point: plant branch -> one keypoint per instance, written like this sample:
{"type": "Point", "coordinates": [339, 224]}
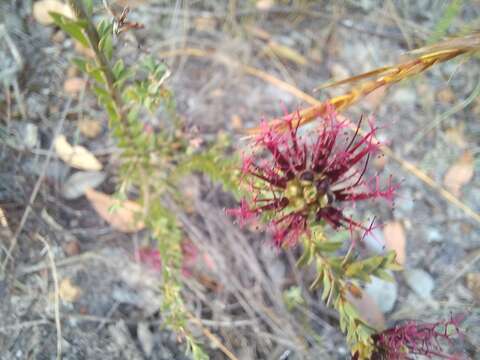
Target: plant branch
{"type": "Point", "coordinates": [94, 39]}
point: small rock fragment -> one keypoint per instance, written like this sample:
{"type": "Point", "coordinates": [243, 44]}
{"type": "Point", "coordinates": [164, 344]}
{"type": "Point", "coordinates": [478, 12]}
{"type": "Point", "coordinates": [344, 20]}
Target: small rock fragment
{"type": "Point", "coordinates": [71, 248]}
{"type": "Point", "coordinates": [384, 293]}
{"type": "Point", "coordinates": [77, 184]}
{"type": "Point", "coordinates": [420, 282]}
{"type": "Point", "coordinates": [145, 337]}
{"type": "Point", "coordinates": [90, 128]}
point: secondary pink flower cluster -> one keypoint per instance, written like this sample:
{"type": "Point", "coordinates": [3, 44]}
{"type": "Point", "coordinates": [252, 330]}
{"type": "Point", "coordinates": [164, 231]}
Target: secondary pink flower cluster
{"type": "Point", "coordinates": [151, 258]}
{"type": "Point", "coordinates": [413, 338]}
{"type": "Point", "coordinates": [297, 180]}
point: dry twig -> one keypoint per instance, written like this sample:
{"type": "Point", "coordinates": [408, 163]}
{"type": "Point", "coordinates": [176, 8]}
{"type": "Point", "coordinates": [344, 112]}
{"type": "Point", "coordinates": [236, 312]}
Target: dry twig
{"type": "Point", "coordinates": [56, 296]}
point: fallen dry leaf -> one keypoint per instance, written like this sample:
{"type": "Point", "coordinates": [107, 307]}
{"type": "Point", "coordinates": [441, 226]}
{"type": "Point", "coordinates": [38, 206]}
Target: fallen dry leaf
{"type": "Point", "coordinates": [68, 291]}
{"type": "Point", "coordinates": [42, 8]}
{"type": "Point", "coordinates": [459, 174]}
{"type": "Point", "coordinates": [74, 85]}
{"type": "Point", "coordinates": [368, 309]}
{"type": "Point", "coordinates": [91, 128]}
{"type": "Point", "coordinates": [395, 239]}
{"type": "Point", "coordinates": [76, 156]}
{"type": "Point", "coordinates": [121, 215]}
{"type": "Point", "coordinates": [237, 122]}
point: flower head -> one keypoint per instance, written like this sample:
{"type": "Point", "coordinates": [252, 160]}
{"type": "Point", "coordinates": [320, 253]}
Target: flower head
{"type": "Point", "coordinates": [413, 338]}
{"type": "Point", "coordinates": [298, 180]}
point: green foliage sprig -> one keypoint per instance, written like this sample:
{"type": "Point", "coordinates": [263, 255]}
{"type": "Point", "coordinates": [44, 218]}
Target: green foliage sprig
{"type": "Point", "coordinates": [153, 160]}
{"type": "Point", "coordinates": [340, 278]}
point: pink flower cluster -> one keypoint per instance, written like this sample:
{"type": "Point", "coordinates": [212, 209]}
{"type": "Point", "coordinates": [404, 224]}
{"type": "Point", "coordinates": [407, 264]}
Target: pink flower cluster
{"type": "Point", "coordinates": [151, 258]}
{"type": "Point", "coordinates": [413, 338]}
{"type": "Point", "coordinates": [297, 181]}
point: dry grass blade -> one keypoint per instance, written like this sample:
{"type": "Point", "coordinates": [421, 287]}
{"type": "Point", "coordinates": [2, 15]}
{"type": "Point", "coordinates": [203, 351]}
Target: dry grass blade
{"type": "Point", "coordinates": [425, 58]}
{"type": "Point", "coordinates": [56, 296]}
{"type": "Point", "coordinates": [213, 338]}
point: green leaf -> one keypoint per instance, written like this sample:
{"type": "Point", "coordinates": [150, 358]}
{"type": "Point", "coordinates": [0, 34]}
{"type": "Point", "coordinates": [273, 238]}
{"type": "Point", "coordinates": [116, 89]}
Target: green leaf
{"type": "Point", "coordinates": [373, 263]}
{"type": "Point", "coordinates": [354, 268]}
{"type": "Point", "coordinates": [100, 91]}
{"type": "Point", "coordinates": [104, 27]}
{"type": "Point", "coordinates": [106, 45]}
{"type": "Point", "coordinates": [350, 311]}
{"type": "Point", "coordinates": [88, 7]}
{"type": "Point", "coordinates": [293, 297]}
{"type": "Point", "coordinates": [118, 68]}
{"type": "Point", "coordinates": [382, 274]}
{"type": "Point", "coordinates": [329, 246]}
{"type": "Point", "coordinates": [307, 255]}
{"type": "Point", "coordinates": [81, 64]}
{"type": "Point", "coordinates": [363, 333]}
{"type": "Point", "coordinates": [394, 267]}
{"type": "Point", "coordinates": [327, 285]}
{"type": "Point", "coordinates": [96, 74]}
{"type": "Point", "coordinates": [318, 280]}
{"type": "Point", "coordinates": [73, 28]}
{"type": "Point", "coordinates": [343, 321]}
{"type": "Point", "coordinates": [112, 112]}
{"type": "Point", "coordinates": [123, 76]}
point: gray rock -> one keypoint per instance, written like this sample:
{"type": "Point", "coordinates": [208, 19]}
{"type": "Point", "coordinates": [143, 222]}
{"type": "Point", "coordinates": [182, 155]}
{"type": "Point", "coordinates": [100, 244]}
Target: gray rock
{"type": "Point", "coordinates": [404, 96]}
{"type": "Point", "coordinates": [78, 183]}
{"type": "Point", "coordinates": [420, 282]}
{"type": "Point", "coordinates": [383, 292]}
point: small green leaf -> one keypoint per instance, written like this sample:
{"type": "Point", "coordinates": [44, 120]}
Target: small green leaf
{"type": "Point", "coordinates": [350, 311]}
{"type": "Point", "coordinates": [363, 333]}
{"type": "Point", "coordinates": [106, 45]}
{"type": "Point", "coordinates": [343, 322]}
{"type": "Point", "coordinates": [394, 267]}
{"type": "Point", "coordinates": [307, 255]}
{"type": "Point", "coordinates": [88, 7]}
{"type": "Point", "coordinates": [382, 274]}
{"type": "Point", "coordinates": [96, 74]}
{"type": "Point", "coordinates": [104, 27]}
{"type": "Point", "coordinates": [80, 63]}
{"type": "Point", "coordinates": [373, 263]}
{"type": "Point", "coordinates": [318, 279]}
{"type": "Point", "coordinates": [329, 246]}
{"type": "Point", "coordinates": [100, 91]}
{"type": "Point", "coordinates": [73, 28]}
{"type": "Point", "coordinates": [118, 68]}
{"type": "Point", "coordinates": [327, 286]}
{"type": "Point", "coordinates": [354, 268]}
